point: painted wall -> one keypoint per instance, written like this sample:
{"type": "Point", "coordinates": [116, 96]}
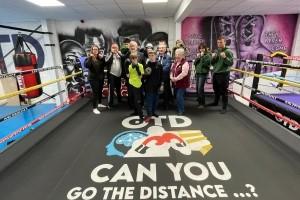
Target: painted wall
{"type": "Point", "coordinates": [246, 36]}
{"type": "Point", "coordinates": [36, 43]}
{"type": "Point", "coordinates": [76, 38]}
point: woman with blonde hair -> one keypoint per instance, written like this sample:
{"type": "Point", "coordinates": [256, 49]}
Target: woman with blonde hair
{"type": "Point", "coordinates": [180, 77]}
{"type": "Point", "coordinates": [179, 44]}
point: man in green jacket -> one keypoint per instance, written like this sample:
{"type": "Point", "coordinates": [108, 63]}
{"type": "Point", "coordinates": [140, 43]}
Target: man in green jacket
{"type": "Point", "coordinates": [222, 60]}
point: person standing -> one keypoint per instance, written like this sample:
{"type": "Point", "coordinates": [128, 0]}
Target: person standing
{"type": "Point", "coordinates": [153, 81]}
{"type": "Point", "coordinates": [96, 64]}
{"type": "Point", "coordinates": [222, 60]}
{"type": "Point", "coordinates": [115, 61]}
{"type": "Point", "coordinates": [179, 44]}
{"type": "Point", "coordinates": [133, 49]}
{"type": "Point", "coordinates": [166, 61]}
{"type": "Point", "coordinates": [135, 74]}
{"type": "Point", "coordinates": [180, 77]}
{"type": "Point", "coordinates": [202, 65]}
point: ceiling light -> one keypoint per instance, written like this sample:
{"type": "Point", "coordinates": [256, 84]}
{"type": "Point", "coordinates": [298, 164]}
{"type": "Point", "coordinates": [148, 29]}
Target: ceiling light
{"type": "Point", "coordinates": [155, 1]}
{"type": "Point", "coordinates": [46, 3]}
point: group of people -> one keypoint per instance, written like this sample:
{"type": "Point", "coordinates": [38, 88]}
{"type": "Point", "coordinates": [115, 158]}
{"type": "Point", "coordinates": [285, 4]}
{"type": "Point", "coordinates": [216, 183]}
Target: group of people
{"type": "Point", "coordinates": [152, 72]}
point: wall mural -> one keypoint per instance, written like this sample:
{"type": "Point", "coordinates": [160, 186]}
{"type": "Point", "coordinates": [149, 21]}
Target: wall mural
{"type": "Point", "coordinates": [246, 36]}
{"type": "Point", "coordinates": [75, 48]}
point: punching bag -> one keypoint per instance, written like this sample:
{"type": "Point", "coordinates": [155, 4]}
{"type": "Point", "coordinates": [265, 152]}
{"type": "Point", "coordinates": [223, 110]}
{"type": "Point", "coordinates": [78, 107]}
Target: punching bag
{"type": "Point", "coordinates": [27, 61]}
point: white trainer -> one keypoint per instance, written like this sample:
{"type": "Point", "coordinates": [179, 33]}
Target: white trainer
{"type": "Point", "coordinates": [101, 105]}
{"type": "Point", "coordinates": [96, 111]}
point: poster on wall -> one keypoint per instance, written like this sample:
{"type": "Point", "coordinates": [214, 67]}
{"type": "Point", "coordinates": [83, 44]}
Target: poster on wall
{"type": "Point", "coordinates": [76, 47]}
{"type": "Point", "coordinates": [246, 36]}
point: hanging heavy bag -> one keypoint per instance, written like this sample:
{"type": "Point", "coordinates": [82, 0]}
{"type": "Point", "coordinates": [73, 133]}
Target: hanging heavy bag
{"type": "Point", "coordinates": [27, 61]}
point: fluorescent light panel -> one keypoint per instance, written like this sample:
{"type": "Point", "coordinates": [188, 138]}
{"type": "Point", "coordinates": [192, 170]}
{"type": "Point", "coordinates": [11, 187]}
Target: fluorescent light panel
{"type": "Point", "coordinates": [155, 1]}
{"type": "Point", "coordinates": [46, 3]}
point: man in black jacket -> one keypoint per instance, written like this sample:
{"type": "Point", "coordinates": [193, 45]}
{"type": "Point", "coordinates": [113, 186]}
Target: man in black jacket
{"type": "Point", "coordinates": [115, 70]}
{"type": "Point", "coordinates": [153, 81]}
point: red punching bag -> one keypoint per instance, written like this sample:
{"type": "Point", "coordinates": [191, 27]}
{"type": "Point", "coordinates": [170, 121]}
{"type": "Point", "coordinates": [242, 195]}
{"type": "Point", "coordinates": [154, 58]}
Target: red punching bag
{"type": "Point", "coordinates": [27, 61]}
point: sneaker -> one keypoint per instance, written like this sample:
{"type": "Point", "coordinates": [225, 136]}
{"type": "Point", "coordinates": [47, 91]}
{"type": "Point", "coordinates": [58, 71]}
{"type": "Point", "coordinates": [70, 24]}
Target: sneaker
{"type": "Point", "coordinates": [96, 111]}
{"type": "Point", "coordinates": [101, 105]}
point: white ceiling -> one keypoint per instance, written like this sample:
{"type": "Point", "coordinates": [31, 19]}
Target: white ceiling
{"type": "Point", "coordinates": [86, 9]}
{"type": "Point", "coordinates": [241, 7]}
{"type": "Point", "coordinates": [20, 10]}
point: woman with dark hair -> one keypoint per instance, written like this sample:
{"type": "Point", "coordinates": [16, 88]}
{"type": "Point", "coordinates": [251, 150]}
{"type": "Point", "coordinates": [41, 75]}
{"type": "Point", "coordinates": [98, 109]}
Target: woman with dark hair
{"type": "Point", "coordinates": [96, 64]}
{"type": "Point", "coordinates": [202, 65]}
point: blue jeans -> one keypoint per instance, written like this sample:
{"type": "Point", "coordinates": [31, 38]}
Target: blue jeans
{"type": "Point", "coordinates": [201, 78]}
{"type": "Point", "coordinates": [180, 99]}
{"type": "Point", "coordinates": [151, 102]}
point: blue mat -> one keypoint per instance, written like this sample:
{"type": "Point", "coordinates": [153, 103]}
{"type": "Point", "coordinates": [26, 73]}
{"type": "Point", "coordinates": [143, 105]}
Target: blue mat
{"type": "Point", "coordinates": [14, 123]}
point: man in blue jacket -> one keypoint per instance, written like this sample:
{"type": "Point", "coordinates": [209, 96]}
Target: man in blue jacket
{"type": "Point", "coordinates": [165, 60]}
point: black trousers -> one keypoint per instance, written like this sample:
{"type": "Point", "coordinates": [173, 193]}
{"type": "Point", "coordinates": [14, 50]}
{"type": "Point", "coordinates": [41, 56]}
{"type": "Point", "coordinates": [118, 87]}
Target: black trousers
{"type": "Point", "coordinates": [220, 85]}
{"type": "Point", "coordinates": [97, 87]}
{"type": "Point", "coordinates": [114, 83]}
{"type": "Point", "coordinates": [134, 94]}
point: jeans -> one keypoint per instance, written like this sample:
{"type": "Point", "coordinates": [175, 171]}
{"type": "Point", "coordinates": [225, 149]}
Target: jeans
{"type": "Point", "coordinates": [151, 102]}
{"type": "Point", "coordinates": [180, 99]}
{"type": "Point", "coordinates": [201, 78]}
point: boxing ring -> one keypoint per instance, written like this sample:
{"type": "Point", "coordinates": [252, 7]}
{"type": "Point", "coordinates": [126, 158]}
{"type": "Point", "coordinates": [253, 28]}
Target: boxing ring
{"type": "Point", "coordinates": [60, 150]}
{"type": "Point", "coordinates": [288, 104]}
{"type": "Point", "coordinates": [73, 155]}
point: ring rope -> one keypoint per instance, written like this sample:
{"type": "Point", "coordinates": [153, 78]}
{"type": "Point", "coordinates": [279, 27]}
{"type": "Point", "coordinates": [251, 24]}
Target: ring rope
{"type": "Point", "coordinates": [279, 88]}
{"type": "Point", "coordinates": [13, 134]}
{"type": "Point", "coordinates": [10, 115]}
{"type": "Point", "coordinates": [265, 77]}
{"type": "Point", "coordinates": [31, 123]}
{"type": "Point", "coordinates": [28, 71]}
{"type": "Point", "coordinates": [5, 96]}
{"type": "Point", "coordinates": [289, 66]}
{"type": "Point", "coordinates": [294, 105]}
{"type": "Point", "coordinates": [280, 78]}
{"type": "Point", "coordinates": [276, 114]}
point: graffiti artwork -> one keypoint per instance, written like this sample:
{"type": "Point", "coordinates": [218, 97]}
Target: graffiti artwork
{"type": "Point", "coordinates": [75, 48]}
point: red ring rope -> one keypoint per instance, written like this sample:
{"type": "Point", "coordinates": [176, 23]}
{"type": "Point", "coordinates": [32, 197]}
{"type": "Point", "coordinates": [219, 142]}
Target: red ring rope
{"type": "Point", "coordinates": [276, 114]}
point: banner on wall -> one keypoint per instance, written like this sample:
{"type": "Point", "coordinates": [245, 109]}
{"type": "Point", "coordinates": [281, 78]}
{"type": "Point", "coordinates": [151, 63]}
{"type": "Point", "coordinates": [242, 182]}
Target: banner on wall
{"type": "Point", "coordinates": [246, 36]}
